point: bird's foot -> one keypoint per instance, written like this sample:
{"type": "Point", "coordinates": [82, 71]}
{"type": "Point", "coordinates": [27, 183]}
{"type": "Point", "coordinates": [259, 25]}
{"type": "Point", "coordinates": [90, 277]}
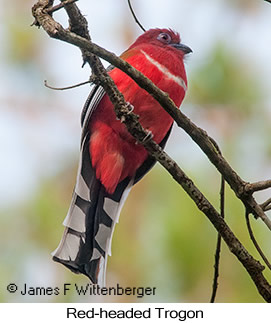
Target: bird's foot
{"type": "Point", "coordinates": [148, 137]}
{"type": "Point", "coordinates": [130, 107]}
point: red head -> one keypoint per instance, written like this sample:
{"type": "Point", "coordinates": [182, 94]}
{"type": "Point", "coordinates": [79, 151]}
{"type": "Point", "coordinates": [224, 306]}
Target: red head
{"type": "Point", "coordinates": [165, 38]}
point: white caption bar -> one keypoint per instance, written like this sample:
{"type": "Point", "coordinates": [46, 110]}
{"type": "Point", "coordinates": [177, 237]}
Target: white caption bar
{"type": "Point", "coordinates": [133, 312]}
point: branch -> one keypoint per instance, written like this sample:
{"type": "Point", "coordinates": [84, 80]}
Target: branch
{"type": "Point", "coordinates": [218, 243]}
{"type": "Point", "coordinates": [266, 206]}
{"type": "Point", "coordinates": [253, 239]}
{"type": "Point", "coordinates": [55, 30]}
{"type": "Point", "coordinates": [60, 6]}
{"type": "Point", "coordinates": [257, 186]}
{"type": "Point", "coordinates": [66, 87]}
{"type": "Point", "coordinates": [134, 15]}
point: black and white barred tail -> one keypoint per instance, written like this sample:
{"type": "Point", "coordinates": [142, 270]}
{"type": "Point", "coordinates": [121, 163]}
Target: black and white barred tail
{"type": "Point", "coordinates": [90, 223]}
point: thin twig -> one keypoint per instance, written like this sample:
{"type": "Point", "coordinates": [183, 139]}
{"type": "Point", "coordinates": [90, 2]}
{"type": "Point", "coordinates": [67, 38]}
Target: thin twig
{"type": "Point", "coordinates": [135, 17]}
{"type": "Point", "coordinates": [258, 186]}
{"type": "Point", "coordinates": [60, 6]}
{"type": "Point", "coordinates": [266, 205]}
{"type": "Point", "coordinates": [67, 87]}
{"type": "Point", "coordinates": [218, 244]}
{"type": "Point", "coordinates": [252, 237]}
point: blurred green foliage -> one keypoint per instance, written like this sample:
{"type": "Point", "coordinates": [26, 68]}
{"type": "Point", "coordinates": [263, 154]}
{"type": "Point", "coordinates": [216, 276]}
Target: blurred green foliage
{"type": "Point", "coordinates": [225, 80]}
{"type": "Point", "coordinates": [22, 44]}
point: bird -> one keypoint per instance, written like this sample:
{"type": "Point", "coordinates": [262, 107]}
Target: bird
{"type": "Point", "coordinates": [111, 160]}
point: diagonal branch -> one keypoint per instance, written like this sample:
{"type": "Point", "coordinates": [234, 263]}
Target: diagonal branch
{"type": "Point", "coordinates": [55, 30]}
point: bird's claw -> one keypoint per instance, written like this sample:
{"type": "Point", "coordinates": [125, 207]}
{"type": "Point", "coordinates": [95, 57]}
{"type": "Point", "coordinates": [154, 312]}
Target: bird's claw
{"type": "Point", "coordinates": [130, 107]}
{"type": "Point", "coordinates": [148, 137]}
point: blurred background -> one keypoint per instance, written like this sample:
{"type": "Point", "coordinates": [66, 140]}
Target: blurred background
{"type": "Point", "coordinates": [162, 240]}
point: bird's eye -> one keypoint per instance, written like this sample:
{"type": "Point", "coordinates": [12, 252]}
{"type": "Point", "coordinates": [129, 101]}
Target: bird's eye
{"type": "Point", "coordinates": [164, 38]}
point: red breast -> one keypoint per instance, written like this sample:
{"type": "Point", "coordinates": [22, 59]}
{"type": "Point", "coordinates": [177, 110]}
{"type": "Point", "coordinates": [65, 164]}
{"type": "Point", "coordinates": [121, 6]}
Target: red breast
{"type": "Point", "coordinates": [115, 154]}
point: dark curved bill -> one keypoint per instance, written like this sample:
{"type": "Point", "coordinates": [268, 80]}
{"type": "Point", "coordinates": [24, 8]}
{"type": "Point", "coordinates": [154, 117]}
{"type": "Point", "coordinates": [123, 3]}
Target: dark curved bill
{"type": "Point", "coordinates": [182, 47]}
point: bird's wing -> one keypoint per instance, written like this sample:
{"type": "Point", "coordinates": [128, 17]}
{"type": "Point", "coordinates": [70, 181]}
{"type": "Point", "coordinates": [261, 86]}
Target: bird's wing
{"type": "Point", "coordinates": [93, 100]}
